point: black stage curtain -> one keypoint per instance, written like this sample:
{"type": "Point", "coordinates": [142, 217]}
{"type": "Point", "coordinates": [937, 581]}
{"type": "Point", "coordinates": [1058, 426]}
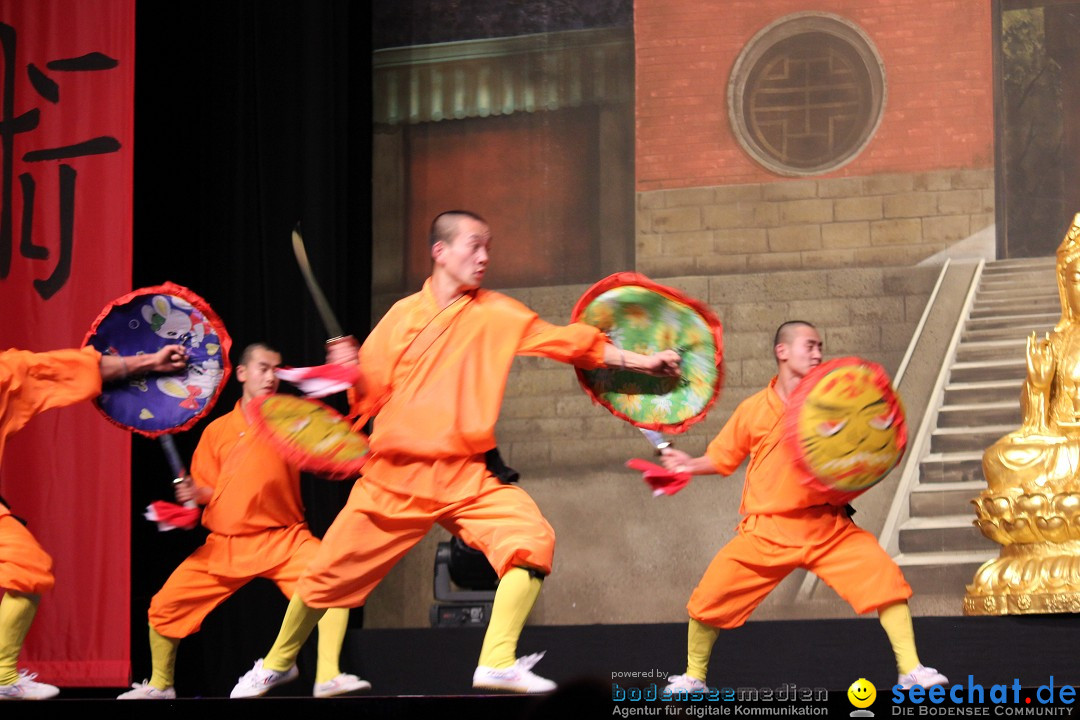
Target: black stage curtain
{"type": "Point", "coordinates": [250, 116]}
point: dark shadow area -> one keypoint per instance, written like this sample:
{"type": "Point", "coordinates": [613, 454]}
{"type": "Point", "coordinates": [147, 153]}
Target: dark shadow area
{"type": "Point", "coordinates": [249, 118]}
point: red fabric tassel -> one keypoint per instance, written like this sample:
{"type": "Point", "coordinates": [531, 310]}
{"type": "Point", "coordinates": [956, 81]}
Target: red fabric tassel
{"type": "Point", "coordinates": [661, 480]}
{"type": "Point", "coordinates": [170, 516]}
{"type": "Point", "coordinates": [321, 380]}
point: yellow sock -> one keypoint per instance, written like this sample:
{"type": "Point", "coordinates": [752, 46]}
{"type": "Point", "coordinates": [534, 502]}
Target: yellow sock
{"type": "Point", "coordinates": [17, 611]}
{"type": "Point", "coordinates": [700, 639]}
{"type": "Point", "coordinates": [896, 619]}
{"type": "Point", "coordinates": [162, 660]}
{"type": "Point", "coordinates": [299, 621]}
{"type": "Point", "coordinates": [332, 629]}
{"type": "Point", "coordinates": [514, 600]}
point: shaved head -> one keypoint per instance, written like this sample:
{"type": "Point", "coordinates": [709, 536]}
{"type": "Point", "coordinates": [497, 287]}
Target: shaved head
{"type": "Point", "coordinates": [445, 223]}
{"type": "Point", "coordinates": [786, 331]}
{"type": "Point", "coordinates": [245, 357]}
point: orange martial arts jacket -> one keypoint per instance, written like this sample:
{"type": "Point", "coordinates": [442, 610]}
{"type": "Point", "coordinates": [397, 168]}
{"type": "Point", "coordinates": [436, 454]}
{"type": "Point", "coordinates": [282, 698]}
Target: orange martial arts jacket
{"type": "Point", "coordinates": [775, 482]}
{"type": "Point", "coordinates": [31, 383]}
{"type": "Point", "coordinates": [255, 490]}
{"type": "Point", "coordinates": [434, 380]}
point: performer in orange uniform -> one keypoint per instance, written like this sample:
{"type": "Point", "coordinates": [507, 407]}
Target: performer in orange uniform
{"type": "Point", "coordinates": [433, 373]}
{"type": "Point", "coordinates": [257, 529]}
{"type": "Point", "coordinates": [31, 383]}
{"type": "Point", "coordinates": [787, 525]}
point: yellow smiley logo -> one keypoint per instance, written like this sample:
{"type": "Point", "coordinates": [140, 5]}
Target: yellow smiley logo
{"type": "Point", "coordinates": [862, 693]}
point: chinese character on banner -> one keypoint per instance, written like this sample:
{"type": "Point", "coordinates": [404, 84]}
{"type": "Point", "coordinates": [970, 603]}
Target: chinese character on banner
{"type": "Point", "coordinates": [14, 123]}
{"type": "Point", "coordinates": [67, 76]}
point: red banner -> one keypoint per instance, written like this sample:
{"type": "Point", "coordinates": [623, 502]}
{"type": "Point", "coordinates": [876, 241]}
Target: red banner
{"type": "Point", "coordinates": [66, 128]}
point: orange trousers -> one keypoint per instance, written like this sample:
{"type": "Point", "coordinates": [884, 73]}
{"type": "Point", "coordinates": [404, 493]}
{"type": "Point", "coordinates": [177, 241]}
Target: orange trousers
{"type": "Point", "coordinates": [378, 526]}
{"type": "Point", "coordinates": [202, 582]}
{"type": "Point", "coordinates": [24, 565]}
{"type": "Point", "coordinates": [767, 548]}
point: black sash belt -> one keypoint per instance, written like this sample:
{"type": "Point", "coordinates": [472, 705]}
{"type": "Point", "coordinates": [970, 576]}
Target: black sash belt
{"type": "Point", "coordinates": [498, 468]}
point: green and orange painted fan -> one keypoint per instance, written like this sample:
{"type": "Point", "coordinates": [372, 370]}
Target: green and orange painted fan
{"type": "Point", "coordinates": [646, 317]}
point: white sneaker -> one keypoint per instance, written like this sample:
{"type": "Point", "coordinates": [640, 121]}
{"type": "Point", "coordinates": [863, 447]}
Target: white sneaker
{"type": "Point", "coordinates": [922, 675]}
{"type": "Point", "coordinates": [146, 691]}
{"type": "Point", "coordinates": [685, 684]}
{"type": "Point", "coordinates": [340, 685]}
{"type": "Point", "coordinates": [26, 688]}
{"type": "Point", "coordinates": [516, 678]}
{"type": "Point", "coordinates": [258, 680]}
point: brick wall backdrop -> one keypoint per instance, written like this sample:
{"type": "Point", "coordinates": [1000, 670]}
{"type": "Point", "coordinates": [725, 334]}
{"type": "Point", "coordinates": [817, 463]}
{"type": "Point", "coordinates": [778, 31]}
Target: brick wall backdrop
{"type": "Point", "coordinates": [938, 66]}
{"type": "Point", "coordinates": [888, 219]}
{"type": "Point", "coordinates": [924, 181]}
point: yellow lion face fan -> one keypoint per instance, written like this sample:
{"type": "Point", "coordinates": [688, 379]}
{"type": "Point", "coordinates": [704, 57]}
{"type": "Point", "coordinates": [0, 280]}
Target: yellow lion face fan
{"type": "Point", "coordinates": [848, 427]}
{"type": "Point", "coordinates": [310, 434]}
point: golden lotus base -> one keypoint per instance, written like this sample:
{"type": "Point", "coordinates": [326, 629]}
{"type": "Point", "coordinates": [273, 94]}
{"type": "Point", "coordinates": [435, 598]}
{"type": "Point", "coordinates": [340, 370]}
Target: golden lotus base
{"type": "Point", "coordinates": [1028, 578]}
{"type": "Point", "coordinates": [1025, 604]}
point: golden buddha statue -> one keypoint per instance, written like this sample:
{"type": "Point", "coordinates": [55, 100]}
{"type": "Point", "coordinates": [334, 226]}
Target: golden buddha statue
{"type": "Point", "coordinates": [1032, 502]}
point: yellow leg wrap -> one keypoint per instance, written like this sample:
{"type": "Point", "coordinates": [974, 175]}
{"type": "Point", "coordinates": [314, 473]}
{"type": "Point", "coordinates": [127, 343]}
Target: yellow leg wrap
{"type": "Point", "coordinates": [17, 611]}
{"type": "Point", "coordinates": [299, 621]}
{"type": "Point", "coordinates": [332, 629]}
{"type": "Point", "coordinates": [896, 619]}
{"type": "Point", "coordinates": [700, 639]}
{"type": "Point", "coordinates": [162, 660]}
{"type": "Point", "coordinates": [514, 600]}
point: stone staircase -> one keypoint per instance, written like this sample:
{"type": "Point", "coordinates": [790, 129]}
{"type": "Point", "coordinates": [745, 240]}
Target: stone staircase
{"type": "Point", "coordinates": [940, 548]}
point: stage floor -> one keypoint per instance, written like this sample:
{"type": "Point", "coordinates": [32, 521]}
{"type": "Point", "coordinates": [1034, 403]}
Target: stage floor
{"type": "Point", "coordinates": [828, 654]}
{"type": "Point", "coordinates": [426, 672]}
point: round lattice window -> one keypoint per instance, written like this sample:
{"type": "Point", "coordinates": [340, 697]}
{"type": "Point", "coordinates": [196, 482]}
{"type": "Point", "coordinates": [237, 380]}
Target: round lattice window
{"type": "Point", "coordinates": [806, 94]}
